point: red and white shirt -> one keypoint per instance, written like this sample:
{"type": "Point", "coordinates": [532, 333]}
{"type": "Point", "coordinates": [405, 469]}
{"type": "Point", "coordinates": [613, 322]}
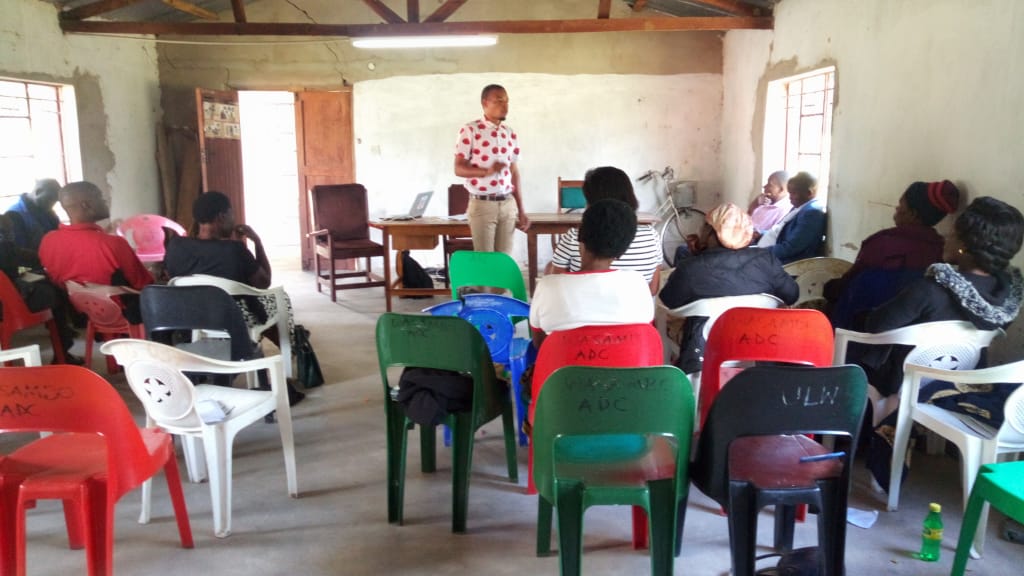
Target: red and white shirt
{"type": "Point", "coordinates": [485, 143]}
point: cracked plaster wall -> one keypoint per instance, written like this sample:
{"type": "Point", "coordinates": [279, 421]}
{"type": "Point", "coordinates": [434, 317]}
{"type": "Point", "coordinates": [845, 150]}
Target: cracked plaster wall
{"type": "Point", "coordinates": [117, 88]}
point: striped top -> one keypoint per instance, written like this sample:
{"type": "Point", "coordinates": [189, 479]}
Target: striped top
{"type": "Point", "coordinates": [643, 255]}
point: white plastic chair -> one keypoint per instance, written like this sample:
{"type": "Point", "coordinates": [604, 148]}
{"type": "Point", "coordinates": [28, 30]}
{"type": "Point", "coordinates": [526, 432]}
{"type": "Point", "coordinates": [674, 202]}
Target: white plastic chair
{"type": "Point", "coordinates": [156, 375]}
{"type": "Point", "coordinates": [811, 274]}
{"type": "Point", "coordinates": [712, 308]}
{"type": "Point", "coordinates": [979, 443]}
{"type": "Point", "coordinates": [239, 289]}
{"type": "Point", "coordinates": [29, 355]}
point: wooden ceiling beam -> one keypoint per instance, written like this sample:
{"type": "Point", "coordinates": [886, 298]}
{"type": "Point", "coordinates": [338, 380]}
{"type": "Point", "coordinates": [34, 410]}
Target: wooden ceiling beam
{"type": "Point", "coordinates": [445, 10]}
{"type": "Point", "coordinates": [189, 8]}
{"type": "Point", "coordinates": [412, 10]}
{"type": "Point", "coordinates": [386, 14]}
{"type": "Point", "coordinates": [238, 7]}
{"type": "Point", "coordinates": [95, 9]}
{"type": "Point", "coordinates": [604, 8]}
{"type": "Point", "coordinates": [733, 7]}
{"type": "Point", "coordinates": [426, 28]}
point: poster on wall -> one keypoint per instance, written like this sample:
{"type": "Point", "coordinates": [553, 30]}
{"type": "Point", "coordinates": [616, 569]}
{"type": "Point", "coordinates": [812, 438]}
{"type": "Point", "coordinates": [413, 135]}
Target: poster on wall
{"type": "Point", "coordinates": [221, 121]}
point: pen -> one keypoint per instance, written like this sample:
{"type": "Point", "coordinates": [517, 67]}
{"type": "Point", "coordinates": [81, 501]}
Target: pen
{"type": "Point", "coordinates": [820, 457]}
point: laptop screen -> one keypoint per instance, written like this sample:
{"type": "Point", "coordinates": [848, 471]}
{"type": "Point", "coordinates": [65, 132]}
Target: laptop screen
{"type": "Point", "coordinates": [419, 205]}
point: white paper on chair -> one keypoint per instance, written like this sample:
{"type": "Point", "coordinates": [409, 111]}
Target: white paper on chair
{"type": "Point", "coordinates": [861, 518]}
{"type": "Point", "coordinates": [211, 411]}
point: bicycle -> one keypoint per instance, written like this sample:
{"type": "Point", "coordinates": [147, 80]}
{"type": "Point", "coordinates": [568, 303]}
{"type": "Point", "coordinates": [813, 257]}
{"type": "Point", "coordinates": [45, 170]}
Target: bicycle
{"type": "Point", "coordinates": [677, 217]}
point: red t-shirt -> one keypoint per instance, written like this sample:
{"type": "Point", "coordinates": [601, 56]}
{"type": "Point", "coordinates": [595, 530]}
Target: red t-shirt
{"type": "Point", "coordinates": [85, 253]}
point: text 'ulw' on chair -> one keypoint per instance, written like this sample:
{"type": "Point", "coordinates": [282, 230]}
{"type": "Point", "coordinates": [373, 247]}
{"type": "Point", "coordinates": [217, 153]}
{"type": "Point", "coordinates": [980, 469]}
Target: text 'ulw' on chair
{"type": "Point", "coordinates": [978, 442]}
{"type": "Point", "coordinates": [1000, 485]}
{"type": "Point", "coordinates": [145, 232]}
{"type": "Point", "coordinates": [614, 436]}
{"type": "Point", "coordinates": [753, 453]}
{"type": "Point", "coordinates": [442, 343]}
{"type": "Point", "coordinates": [341, 232]}
{"type": "Point", "coordinates": [213, 414]}
{"type": "Point", "coordinates": [17, 317]}
{"type": "Point", "coordinates": [97, 456]}
{"type": "Point", "coordinates": [106, 317]}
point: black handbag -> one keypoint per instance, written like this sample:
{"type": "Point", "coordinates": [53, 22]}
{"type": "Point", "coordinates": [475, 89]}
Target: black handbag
{"type": "Point", "coordinates": [305, 359]}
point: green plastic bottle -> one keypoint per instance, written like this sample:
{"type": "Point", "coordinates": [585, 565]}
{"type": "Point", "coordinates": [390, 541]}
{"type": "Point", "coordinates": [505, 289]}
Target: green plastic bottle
{"type": "Point", "coordinates": [931, 535]}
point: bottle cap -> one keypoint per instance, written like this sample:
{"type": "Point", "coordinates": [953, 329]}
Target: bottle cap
{"type": "Point", "coordinates": [935, 507]}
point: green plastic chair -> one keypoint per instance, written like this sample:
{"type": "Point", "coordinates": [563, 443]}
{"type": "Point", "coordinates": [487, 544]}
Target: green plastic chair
{"type": "Point", "coordinates": [444, 343]}
{"type": "Point", "coordinates": [613, 436]}
{"type": "Point", "coordinates": [495, 269]}
{"type": "Point", "coordinates": [1000, 485]}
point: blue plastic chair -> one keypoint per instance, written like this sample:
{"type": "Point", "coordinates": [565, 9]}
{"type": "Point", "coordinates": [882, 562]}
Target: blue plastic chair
{"type": "Point", "coordinates": [493, 316]}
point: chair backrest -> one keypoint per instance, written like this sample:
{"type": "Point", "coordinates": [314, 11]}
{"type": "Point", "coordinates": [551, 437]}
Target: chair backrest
{"type": "Point", "coordinates": [570, 195]}
{"type": "Point", "coordinates": [166, 309]}
{"type": "Point", "coordinates": [760, 334]}
{"type": "Point", "coordinates": [29, 355]}
{"type": "Point", "coordinates": [620, 346]}
{"type": "Point", "coordinates": [811, 274]}
{"type": "Point", "coordinates": [773, 400]}
{"type": "Point", "coordinates": [96, 302]}
{"type": "Point", "coordinates": [239, 289]}
{"type": "Point", "coordinates": [953, 344]}
{"type": "Point", "coordinates": [458, 199]}
{"type": "Point", "coordinates": [341, 209]}
{"type": "Point", "coordinates": [443, 343]}
{"type": "Point", "coordinates": [589, 401]}
{"type": "Point", "coordinates": [66, 398]}
{"type": "Point", "coordinates": [495, 269]}
{"type": "Point", "coordinates": [712, 308]}
{"type": "Point", "coordinates": [491, 314]}
{"type": "Point", "coordinates": [146, 233]}
{"type": "Point", "coordinates": [14, 313]}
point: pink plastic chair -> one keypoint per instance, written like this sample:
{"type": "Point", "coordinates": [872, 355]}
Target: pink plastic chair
{"type": "Point", "coordinates": [146, 234]}
{"type": "Point", "coordinates": [102, 456]}
{"type": "Point", "coordinates": [17, 317]}
{"type": "Point", "coordinates": [105, 316]}
{"type": "Point", "coordinates": [622, 346]}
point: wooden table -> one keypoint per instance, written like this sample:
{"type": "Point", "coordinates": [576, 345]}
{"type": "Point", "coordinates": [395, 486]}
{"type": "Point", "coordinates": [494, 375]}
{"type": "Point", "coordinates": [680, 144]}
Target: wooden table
{"type": "Point", "coordinates": [424, 234]}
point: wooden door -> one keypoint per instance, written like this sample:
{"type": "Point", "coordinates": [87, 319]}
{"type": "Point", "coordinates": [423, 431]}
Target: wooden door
{"type": "Point", "coordinates": [220, 145]}
{"type": "Point", "coordinates": [326, 152]}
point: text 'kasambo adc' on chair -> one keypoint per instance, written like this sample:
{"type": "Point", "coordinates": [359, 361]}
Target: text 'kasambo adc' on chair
{"type": "Point", "coordinates": [752, 453]}
{"type": "Point", "coordinates": [613, 436]}
{"type": "Point", "coordinates": [443, 343]}
{"type": "Point", "coordinates": [97, 455]}
{"type": "Point", "coordinates": [341, 235]}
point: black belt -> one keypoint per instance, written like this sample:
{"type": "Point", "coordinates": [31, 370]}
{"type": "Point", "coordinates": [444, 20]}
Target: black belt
{"type": "Point", "coordinates": [491, 198]}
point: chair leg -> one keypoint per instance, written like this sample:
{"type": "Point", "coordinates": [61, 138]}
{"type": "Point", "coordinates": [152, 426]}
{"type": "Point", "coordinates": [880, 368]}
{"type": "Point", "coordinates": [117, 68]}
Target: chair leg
{"type": "Point", "coordinates": [785, 522]}
{"type": "Point", "coordinates": [217, 446]}
{"type": "Point", "coordinates": [90, 336]}
{"type": "Point", "coordinates": [662, 525]}
{"type": "Point", "coordinates": [680, 523]}
{"type": "Point", "coordinates": [742, 527]}
{"type": "Point", "coordinates": [178, 501]}
{"type": "Point", "coordinates": [146, 510]}
{"type": "Point", "coordinates": [55, 341]}
{"type": "Point", "coordinates": [396, 442]}
{"type": "Point", "coordinates": [284, 427]}
{"type": "Point", "coordinates": [970, 525]}
{"type": "Point", "coordinates": [99, 529]}
{"type": "Point", "coordinates": [569, 506]}
{"type": "Point", "coordinates": [195, 458]}
{"type": "Point", "coordinates": [334, 279]}
{"type": "Point", "coordinates": [462, 462]}
{"type": "Point", "coordinates": [531, 488]}
{"type": "Point", "coordinates": [832, 526]}
{"type": "Point", "coordinates": [516, 368]}
{"type": "Point", "coordinates": [428, 448]}
{"type": "Point", "coordinates": [544, 510]}
{"type": "Point", "coordinates": [508, 423]}
{"type": "Point", "coordinates": [640, 540]}
{"type": "Point", "coordinates": [10, 553]}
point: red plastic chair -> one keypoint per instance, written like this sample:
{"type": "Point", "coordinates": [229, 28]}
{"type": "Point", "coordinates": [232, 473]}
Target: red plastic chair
{"type": "Point", "coordinates": [102, 456]}
{"type": "Point", "coordinates": [105, 316]}
{"type": "Point", "coordinates": [16, 317]}
{"type": "Point", "coordinates": [146, 234]}
{"type": "Point", "coordinates": [622, 346]}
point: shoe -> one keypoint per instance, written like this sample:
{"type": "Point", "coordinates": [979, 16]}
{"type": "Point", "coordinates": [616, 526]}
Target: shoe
{"type": "Point", "coordinates": [72, 359]}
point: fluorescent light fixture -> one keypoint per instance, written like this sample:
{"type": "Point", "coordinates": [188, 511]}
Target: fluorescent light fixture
{"type": "Point", "coordinates": [424, 41]}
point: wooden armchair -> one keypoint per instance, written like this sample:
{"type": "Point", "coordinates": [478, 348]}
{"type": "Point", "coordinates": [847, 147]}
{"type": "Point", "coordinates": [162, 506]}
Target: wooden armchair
{"type": "Point", "coordinates": [341, 232]}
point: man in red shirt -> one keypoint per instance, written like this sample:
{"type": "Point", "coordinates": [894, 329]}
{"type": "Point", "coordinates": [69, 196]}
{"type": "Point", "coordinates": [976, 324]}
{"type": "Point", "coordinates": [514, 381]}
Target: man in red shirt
{"type": "Point", "coordinates": [84, 252]}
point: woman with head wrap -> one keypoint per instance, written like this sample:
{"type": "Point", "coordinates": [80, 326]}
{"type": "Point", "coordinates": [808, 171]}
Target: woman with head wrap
{"type": "Point", "coordinates": [723, 266]}
{"type": "Point", "coordinates": [977, 285]}
{"type": "Point", "coordinates": [892, 258]}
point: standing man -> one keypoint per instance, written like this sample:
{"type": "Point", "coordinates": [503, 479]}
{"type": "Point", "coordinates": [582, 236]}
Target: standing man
{"type": "Point", "coordinates": [32, 215]}
{"type": "Point", "coordinates": [486, 155]}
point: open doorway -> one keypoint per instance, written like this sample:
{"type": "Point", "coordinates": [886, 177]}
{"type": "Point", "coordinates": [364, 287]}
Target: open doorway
{"type": "Point", "coordinates": [270, 172]}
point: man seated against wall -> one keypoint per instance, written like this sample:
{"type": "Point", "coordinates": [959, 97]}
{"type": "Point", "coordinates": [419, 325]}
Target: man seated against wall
{"type": "Point", "coordinates": [890, 259]}
{"type": "Point", "coordinates": [801, 233]}
{"type": "Point", "coordinates": [722, 266]}
{"type": "Point", "coordinates": [772, 204]}
{"type": "Point", "coordinates": [83, 251]}
{"type": "Point", "coordinates": [32, 216]}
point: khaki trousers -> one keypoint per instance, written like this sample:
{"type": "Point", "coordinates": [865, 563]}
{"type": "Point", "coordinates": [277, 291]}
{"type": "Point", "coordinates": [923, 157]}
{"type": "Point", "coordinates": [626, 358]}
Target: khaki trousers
{"type": "Point", "coordinates": [493, 224]}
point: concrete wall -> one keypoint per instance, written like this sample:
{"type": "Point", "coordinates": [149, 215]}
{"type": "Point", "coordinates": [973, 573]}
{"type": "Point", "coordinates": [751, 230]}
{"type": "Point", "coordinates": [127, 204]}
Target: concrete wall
{"type": "Point", "coordinates": [637, 100]}
{"type": "Point", "coordinates": [117, 88]}
{"type": "Point", "coordinates": [925, 90]}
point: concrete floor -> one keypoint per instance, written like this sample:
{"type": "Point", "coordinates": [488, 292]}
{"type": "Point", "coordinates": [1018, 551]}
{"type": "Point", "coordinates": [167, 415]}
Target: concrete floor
{"type": "Point", "coordinates": [338, 525]}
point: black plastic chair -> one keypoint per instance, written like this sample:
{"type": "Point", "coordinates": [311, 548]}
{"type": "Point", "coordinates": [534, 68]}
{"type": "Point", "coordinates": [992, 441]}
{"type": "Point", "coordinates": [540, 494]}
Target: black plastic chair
{"type": "Point", "coordinates": [752, 453]}
{"type": "Point", "coordinates": [167, 310]}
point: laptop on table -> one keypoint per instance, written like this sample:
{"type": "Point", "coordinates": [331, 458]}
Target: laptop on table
{"type": "Point", "coordinates": [419, 206]}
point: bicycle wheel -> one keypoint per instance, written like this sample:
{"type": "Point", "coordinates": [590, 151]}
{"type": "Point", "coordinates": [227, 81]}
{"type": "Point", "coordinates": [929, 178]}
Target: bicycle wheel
{"type": "Point", "coordinates": [675, 229]}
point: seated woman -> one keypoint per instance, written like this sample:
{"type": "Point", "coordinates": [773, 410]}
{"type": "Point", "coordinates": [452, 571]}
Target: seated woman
{"type": "Point", "coordinates": [723, 266]}
{"type": "Point", "coordinates": [597, 293]}
{"type": "Point", "coordinates": [889, 259]}
{"type": "Point", "coordinates": [982, 289]}
{"type": "Point", "coordinates": [644, 252]}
